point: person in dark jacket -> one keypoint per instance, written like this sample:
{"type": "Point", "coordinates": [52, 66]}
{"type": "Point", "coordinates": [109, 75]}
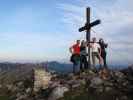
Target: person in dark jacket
{"type": "Point", "coordinates": [103, 46]}
{"type": "Point", "coordinates": [83, 58]}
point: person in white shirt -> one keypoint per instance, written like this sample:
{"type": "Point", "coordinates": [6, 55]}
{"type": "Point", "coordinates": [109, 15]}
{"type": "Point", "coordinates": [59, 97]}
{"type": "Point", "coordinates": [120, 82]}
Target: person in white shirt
{"type": "Point", "coordinates": [96, 52]}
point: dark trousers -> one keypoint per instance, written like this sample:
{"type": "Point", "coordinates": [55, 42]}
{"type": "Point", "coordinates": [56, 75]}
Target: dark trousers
{"type": "Point", "coordinates": [83, 62]}
{"type": "Point", "coordinates": [103, 55]}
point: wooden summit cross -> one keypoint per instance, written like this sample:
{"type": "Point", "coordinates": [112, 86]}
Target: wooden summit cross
{"type": "Point", "coordinates": [87, 28]}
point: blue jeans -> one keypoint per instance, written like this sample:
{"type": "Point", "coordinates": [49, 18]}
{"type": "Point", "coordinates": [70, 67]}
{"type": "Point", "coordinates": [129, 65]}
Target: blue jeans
{"type": "Point", "coordinates": [76, 62]}
{"type": "Point", "coordinates": [76, 67]}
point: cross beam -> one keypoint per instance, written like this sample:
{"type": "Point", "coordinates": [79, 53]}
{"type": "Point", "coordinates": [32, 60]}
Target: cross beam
{"type": "Point", "coordinates": [87, 28]}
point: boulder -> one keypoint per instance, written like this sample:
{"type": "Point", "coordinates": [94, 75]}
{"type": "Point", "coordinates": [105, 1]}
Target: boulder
{"type": "Point", "coordinates": [96, 81]}
{"type": "Point", "coordinates": [76, 85]}
{"type": "Point", "coordinates": [100, 89]}
{"type": "Point", "coordinates": [58, 92]}
{"type": "Point", "coordinates": [22, 97]}
{"type": "Point", "coordinates": [124, 97]}
{"type": "Point", "coordinates": [20, 84]}
{"type": "Point", "coordinates": [28, 90]}
{"type": "Point", "coordinates": [107, 89]}
{"type": "Point", "coordinates": [9, 86]}
{"type": "Point", "coordinates": [119, 74]}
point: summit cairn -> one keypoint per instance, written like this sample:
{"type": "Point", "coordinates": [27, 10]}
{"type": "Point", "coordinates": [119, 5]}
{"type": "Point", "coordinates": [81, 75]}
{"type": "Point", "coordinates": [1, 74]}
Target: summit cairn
{"type": "Point", "coordinates": [41, 79]}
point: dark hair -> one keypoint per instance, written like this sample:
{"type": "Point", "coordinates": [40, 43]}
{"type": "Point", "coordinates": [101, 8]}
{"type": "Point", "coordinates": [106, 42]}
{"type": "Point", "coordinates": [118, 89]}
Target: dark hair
{"type": "Point", "coordinates": [78, 40]}
{"type": "Point", "coordinates": [101, 40]}
{"type": "Point", "coordinates": [82, 42]}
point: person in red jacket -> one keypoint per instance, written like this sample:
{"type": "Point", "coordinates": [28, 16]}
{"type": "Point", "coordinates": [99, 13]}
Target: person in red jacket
{"type": "Point", "coordinates": [75, 58]}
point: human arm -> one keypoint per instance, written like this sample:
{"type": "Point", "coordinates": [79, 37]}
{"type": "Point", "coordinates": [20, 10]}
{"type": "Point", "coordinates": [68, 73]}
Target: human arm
{"type": "Point", "coordinates": [99, 50]}
{"type": "Point", "coordinates": [71, 49]}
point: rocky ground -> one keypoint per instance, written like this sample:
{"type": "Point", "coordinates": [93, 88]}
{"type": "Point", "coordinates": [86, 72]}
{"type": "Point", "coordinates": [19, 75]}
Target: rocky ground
{"type": "Point", "coordinates": [89, 85]}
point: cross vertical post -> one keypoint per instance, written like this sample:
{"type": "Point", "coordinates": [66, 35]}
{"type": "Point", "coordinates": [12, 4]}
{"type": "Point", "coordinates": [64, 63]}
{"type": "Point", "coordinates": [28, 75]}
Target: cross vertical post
{"type": "Point", "coordinates": [87, 28]}
{"type": "Point", "coordinates": [88, 35]}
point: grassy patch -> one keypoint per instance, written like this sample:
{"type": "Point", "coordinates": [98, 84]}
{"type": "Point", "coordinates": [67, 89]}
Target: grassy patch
{"type": "Point", "coordinates": [4, 98]}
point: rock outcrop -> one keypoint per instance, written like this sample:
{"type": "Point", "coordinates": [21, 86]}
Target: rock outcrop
{"type": "Point", "coordinates": [101, 85]}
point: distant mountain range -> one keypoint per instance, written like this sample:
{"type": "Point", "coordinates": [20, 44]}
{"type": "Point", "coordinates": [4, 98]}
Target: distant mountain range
{"type": "Point", "coordinates": [53, 65]}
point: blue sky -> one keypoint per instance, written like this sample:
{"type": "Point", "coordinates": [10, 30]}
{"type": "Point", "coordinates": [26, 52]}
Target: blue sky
{"type": "Point", "coordinates": [40, 30]}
